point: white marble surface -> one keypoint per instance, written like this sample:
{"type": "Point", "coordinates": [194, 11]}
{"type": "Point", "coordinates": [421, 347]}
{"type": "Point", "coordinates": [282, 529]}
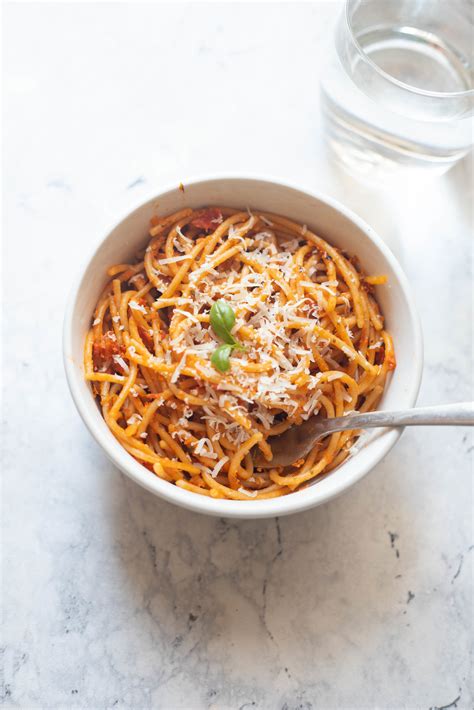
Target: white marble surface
{"type": "Point", "coordinates": [113, 598]}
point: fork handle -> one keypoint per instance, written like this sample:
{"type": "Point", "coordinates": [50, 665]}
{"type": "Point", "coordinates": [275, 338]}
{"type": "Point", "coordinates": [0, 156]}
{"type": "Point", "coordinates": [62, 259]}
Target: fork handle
{"type": "Point", "coordinates": [461, 413]}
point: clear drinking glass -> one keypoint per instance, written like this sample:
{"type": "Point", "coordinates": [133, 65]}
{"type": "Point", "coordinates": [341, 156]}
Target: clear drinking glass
{"type": "Point", "coordinates": [398, 87]}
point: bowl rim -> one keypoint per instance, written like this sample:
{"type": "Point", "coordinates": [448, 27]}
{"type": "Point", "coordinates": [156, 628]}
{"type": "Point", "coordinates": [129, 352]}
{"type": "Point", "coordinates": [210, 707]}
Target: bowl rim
{"type": "Point", "coordinates": [298, 501]}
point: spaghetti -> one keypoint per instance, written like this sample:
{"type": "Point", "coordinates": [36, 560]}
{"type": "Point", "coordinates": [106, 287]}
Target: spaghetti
{"type": "Point", "coordinates": [310, 339]}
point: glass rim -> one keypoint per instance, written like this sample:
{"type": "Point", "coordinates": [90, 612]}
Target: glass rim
{"type": "Point", "coordinates": [388, 77]}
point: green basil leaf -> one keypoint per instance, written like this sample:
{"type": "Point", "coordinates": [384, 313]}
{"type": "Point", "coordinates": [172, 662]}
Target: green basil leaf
{"type": "Point", "coordinates": [226, 313]}
{"type": "Point", "coordinates": [220, 357]}
{"type": "Point", "coordinates": [222, 319]}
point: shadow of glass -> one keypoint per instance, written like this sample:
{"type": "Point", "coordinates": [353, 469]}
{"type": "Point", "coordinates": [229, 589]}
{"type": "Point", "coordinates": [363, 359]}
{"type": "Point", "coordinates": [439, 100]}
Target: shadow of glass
{"type": "Point", "coordinates": [372, 203]}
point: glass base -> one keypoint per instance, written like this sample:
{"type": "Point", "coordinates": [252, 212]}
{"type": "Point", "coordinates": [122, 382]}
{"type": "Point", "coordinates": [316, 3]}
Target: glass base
{"type": "Point", "coordinates": [368, 152]}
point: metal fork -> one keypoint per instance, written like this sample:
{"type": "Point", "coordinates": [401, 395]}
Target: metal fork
{"type": "Point", "coordinates": [297, 442]}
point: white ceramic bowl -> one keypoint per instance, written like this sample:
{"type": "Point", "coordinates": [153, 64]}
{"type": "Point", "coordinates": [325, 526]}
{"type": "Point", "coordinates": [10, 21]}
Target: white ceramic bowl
{"type": "Point", "coordinates": [325, 217]}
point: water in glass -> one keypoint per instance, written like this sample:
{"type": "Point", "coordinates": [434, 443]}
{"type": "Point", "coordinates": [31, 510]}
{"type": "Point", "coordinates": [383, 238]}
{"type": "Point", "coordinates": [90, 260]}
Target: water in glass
{"type": "Point", "coordinates": [398, 90]}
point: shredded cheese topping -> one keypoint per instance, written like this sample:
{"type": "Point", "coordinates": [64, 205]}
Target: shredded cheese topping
{"type": "Point", "coordinates": [312, 331]}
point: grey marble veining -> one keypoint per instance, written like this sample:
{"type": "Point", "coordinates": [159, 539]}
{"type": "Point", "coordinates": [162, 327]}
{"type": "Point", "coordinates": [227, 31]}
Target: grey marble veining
{"type": "Point", "coordinates": [113, 598]}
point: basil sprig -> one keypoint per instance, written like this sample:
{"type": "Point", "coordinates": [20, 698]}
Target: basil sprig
{"type": "Point", "coordinates": [222, 319]}
{"type": "Point", "coordinates": [220, 357]}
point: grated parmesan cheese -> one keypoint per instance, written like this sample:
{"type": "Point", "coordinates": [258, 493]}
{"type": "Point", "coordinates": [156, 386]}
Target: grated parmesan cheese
{"type": "Point", "coordinates": [282, 334]}
{"type": "Point", "coordinates": [134, 419]}
{"type": "Point", "coordinates": [173, 259]}
{"type": "Point", "coordinates": [250, 494]}
{"type": "Point", "coordinates": [335, 376]}
{"type": "Point", "coordinates": [219, 465]}
{"type": "Point", "coordinates": [120, 361]}
{"type": "Point", "coordinates": [188, 315]}
{"type": "Point", "coordinates": [136, 277]}
{"type": "Point", "coordinates": [137, 307]}
{"type": "Point", "coordinates": [204, 448]}
{"type": "Point", "coordinates": [177, 370]}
